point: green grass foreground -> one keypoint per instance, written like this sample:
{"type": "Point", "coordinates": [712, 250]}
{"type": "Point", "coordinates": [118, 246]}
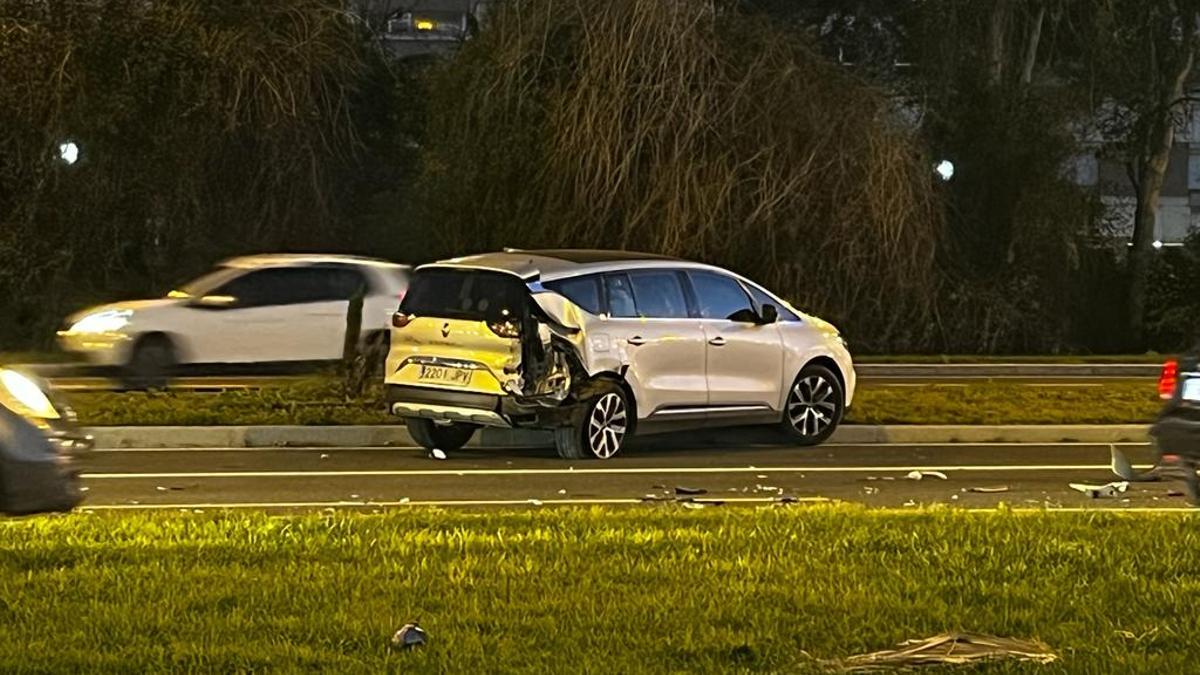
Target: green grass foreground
{"type": "Point", "coordinates": [601, 590]}
{"type": "Point", "coordinates": [322, 402]}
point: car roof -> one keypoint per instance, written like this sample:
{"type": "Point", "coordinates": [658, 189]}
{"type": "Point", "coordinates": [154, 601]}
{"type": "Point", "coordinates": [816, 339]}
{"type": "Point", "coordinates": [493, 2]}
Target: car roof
{"type": "Point", "coordinates": [557, 263]}
{"type": "Point", "coordinates": [282, 259]}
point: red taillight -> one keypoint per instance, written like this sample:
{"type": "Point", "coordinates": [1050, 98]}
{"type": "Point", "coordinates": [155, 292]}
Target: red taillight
{"type": "Point", "coordinates": [400, 319]}
{"type": "Point", "coordinates": [1168, 379]}
{"type": "Point", "coordinates": [505, 329]}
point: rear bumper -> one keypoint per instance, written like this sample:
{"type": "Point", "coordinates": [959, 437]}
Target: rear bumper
{"type": "Point", "coordinates": [447, 405]}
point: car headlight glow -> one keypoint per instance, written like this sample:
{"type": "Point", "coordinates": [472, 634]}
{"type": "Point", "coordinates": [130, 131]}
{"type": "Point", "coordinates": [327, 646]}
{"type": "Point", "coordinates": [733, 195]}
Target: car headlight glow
{"type": "Point", "coordinates": [28, 394]}
{"type": "Point", "coordinates": [108, 321]}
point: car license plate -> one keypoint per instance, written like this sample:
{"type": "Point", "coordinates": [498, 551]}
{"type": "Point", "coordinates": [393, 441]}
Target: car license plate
{"type": "Point", "coordinates": [1191, 389]}
{"type": "Point", "coordinates": [459, 377]}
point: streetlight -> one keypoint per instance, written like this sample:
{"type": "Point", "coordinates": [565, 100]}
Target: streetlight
{"type": "Point", "coordinates": [68, 152]}
{"type": "Point", "coordinates": [945, 169]}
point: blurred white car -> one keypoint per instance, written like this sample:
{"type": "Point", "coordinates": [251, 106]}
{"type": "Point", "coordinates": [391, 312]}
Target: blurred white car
{"type": "Point", "coordinates": [252, 310]}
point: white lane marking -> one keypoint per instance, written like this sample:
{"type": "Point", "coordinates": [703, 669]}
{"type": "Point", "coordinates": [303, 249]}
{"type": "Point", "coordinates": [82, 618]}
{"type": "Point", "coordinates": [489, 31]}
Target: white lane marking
{"type": "Point", "coordinates": [281, 448]}
{"type": "Point", "coordinates": [326, 448]}
{"type": "Point", "coordinates": [614, 501]}
{"type": "Point", "coordinates": [617, 471]}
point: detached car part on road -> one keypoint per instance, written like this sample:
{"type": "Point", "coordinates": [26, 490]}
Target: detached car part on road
{"type": "Point", "coordinates": [38, 444]}
{"type": "Point", "coordinates": [598, 345]}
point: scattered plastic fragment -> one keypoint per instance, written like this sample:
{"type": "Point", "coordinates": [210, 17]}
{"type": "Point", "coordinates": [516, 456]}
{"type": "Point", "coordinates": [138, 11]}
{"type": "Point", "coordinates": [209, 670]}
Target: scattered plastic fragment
{"type": "Point", "coordinates": [1174, 493]}
{"type": "Point", "coordinates": [681, 490]}
{"type": "Point", "coordinates": [535, 502]}
{"type": "Point", "coordinates": [948, 649]}
{"type": "Point", "coordinates": [989, 490]}
{"type": "Point", "coordinates": [562, 492]}
{"type": "Point", "coordinates": [411, 635]}
{"type": "Point", "coordinates": [693, 505]}
{"type": "Point", "coordinates": [870, 490]}
{"type": "Point", "coordinates": [437, 453]}
{"type": "Point", "coordinates": [918, 475]}
{"type": "Point", "coordinates": [324, 455]}
{"type": "Point", "coordinates": [354, 496]}
{"type": "Point", "coordinates": [1106, 491]}
{"type": "Point", "coordinates": [910, 503]}
{"type": "Point", "coordinates": [953, 498]}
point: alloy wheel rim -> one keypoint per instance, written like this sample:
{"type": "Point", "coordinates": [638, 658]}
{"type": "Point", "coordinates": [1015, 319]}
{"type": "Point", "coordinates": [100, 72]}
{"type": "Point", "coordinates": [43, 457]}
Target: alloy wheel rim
{"type": "Point", "coordinates": [812, 407]}
{"type": "Point", "coordinates": [606, 426]}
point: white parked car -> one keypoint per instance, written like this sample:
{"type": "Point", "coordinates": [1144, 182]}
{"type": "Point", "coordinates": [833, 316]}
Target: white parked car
{"type": "Point", "coordinates": [252, 310]}
{"type": "Point", "coordinates": [596, 345]}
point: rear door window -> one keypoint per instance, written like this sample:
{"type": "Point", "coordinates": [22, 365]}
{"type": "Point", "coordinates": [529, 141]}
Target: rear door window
{"type": "Point", "coordinates": [659, 294]}
{"type": "Point", "coordinates": [474, 295]}
{"type": "Point", "coordinates": [619, 291]}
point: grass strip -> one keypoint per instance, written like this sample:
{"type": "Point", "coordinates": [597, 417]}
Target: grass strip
{"type": "Point", "coordinates": [598, 590]}
{"type": "Point", "coordinates": [320, 402]}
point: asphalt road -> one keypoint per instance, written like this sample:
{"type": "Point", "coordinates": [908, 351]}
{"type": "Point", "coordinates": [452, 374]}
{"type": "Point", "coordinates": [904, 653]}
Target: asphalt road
{"type": "Point", "coordinates": [314, 479]}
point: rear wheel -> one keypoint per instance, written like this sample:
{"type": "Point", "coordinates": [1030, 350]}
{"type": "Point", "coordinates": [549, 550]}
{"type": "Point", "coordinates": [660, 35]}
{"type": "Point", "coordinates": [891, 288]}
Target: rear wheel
{"type": "Point", "coordinates": [600, 429]}
{"type": "Point", "coordinates": [151, 364]}
{"type": "Point", "coordinates": [445, 437]}
{"type": "Point", "coordinates": [815, 405]}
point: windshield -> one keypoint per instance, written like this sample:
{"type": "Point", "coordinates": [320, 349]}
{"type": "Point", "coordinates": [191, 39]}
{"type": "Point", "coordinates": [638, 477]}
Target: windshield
{"type": "Point", "coordinates": [474, 295]}
{"type": "Point", "coordinates": [198, 288]}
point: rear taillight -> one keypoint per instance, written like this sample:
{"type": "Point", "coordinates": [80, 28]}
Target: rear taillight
{"type": "Point", "coordinates": [1168, 379]}
{"type": "Point", "coordinates": [400, 319]}
{"type": "Point", "coordinates": [505, 329]}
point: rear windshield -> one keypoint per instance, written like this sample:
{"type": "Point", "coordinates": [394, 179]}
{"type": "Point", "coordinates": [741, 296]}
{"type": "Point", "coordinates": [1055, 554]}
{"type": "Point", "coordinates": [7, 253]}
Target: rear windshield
{"type": "Point", "coordinates": [465, 294]}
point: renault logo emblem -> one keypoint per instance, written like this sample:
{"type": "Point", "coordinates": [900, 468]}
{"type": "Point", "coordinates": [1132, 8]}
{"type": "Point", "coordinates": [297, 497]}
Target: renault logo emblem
{"type": "Point", "coordinates": [446, 330]}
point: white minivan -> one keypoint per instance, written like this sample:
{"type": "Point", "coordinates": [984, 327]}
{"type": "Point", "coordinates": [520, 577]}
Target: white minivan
{"type": "Point", "coordinates": [263, 309]}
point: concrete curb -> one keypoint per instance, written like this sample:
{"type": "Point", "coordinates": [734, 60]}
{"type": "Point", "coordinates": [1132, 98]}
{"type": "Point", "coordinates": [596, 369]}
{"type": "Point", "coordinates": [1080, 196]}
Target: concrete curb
{"type": "Point", "coordinates": [380, 436]}
{"type": "Point", "coordinates": [1032, 370]}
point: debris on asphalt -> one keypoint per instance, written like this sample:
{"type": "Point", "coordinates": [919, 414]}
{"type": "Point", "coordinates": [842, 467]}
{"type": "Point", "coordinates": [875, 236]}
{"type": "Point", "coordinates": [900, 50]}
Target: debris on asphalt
{"type": "Point", "coordinates": [436, 453]}
{"type": "Point", "coordinates": [870, 490]}
{"type": "Point", "coordinates": [1170, 493]}
{"type": "Point", "coordinates": [1106, 491]}
{"type": "Point", "coordinates": [403, 500]}
{"type": "Point", "coordinates": [761, 476]}
{"type": "Point", "coordinates": [948, 649]}
{"type": "Point", "coordinates": [681, 490]}
{"type": "Point", "coordinates": [768, 488]}
{"type": "Point", "coordinates": [562, 492]}
{"type": "Point", "coordinates": [535, 502]}
{"type": "Point", "coordinates": [910, 503]}
{"type": "Point", "coordinates": [872, 477]}
{"type": "Point", "coordinates": [324, 455]}
{"type": "Point", "coordinates": [354, 496]}
{"type": "Point", "coordinates": [84, 489]}
{"type": "Point", "coordinates": [918, 475]}
{"type": "Point", "coordinates": [1124, 470]}
{"type": "Point", "coordinates": [171, 488]}
{"type": "Point", "coordinates": [989, 490]}
{"type": "Point", "coordinates": [693, 505]}
{"type": "Point", "coordinates": [651, 497]}
{"type": "Point", "coordinates": [953, 498]}
{"type": "Point", "coordinates": [786, 500]}
{"type": "Point", "coordinates": [411, 635]}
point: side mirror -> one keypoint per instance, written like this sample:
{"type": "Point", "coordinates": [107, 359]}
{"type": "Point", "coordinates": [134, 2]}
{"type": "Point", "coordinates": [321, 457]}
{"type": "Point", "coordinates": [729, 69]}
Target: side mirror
{"type": "Point", "coordinates": [770, 314]}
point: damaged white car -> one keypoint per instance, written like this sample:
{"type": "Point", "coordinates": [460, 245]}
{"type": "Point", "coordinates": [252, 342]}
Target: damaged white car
{"type": "Point", "coordinates": [598, 345]}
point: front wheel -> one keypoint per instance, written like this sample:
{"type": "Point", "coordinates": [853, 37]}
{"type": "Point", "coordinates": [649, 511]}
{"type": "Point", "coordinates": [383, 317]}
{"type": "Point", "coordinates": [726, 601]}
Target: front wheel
{"type": "Point", "coordinates": [445, 437]}
{"type": "Point", "coordinates": [151, 364]}
{"type": "Point", "coordinates": [600, 428]}
{"type": "Point", "coordinates": [814, 408]}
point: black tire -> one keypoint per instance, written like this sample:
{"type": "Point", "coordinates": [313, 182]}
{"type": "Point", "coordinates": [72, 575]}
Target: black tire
{"type": "Point", "coordinates": [600, 428]}
{"type": "Point", "coordinates": [814, 406]}
{"type": "Point", "coordinates": [444, 437]}
{"type": "Point", "coordinates": [151, 364]}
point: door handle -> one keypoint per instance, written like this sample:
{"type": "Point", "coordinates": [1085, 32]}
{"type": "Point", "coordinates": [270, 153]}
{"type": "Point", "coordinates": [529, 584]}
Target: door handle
{"type": "Point", "coordinates": [717, 341]}
{"type": "Point", "coordinates": [636, 340]}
